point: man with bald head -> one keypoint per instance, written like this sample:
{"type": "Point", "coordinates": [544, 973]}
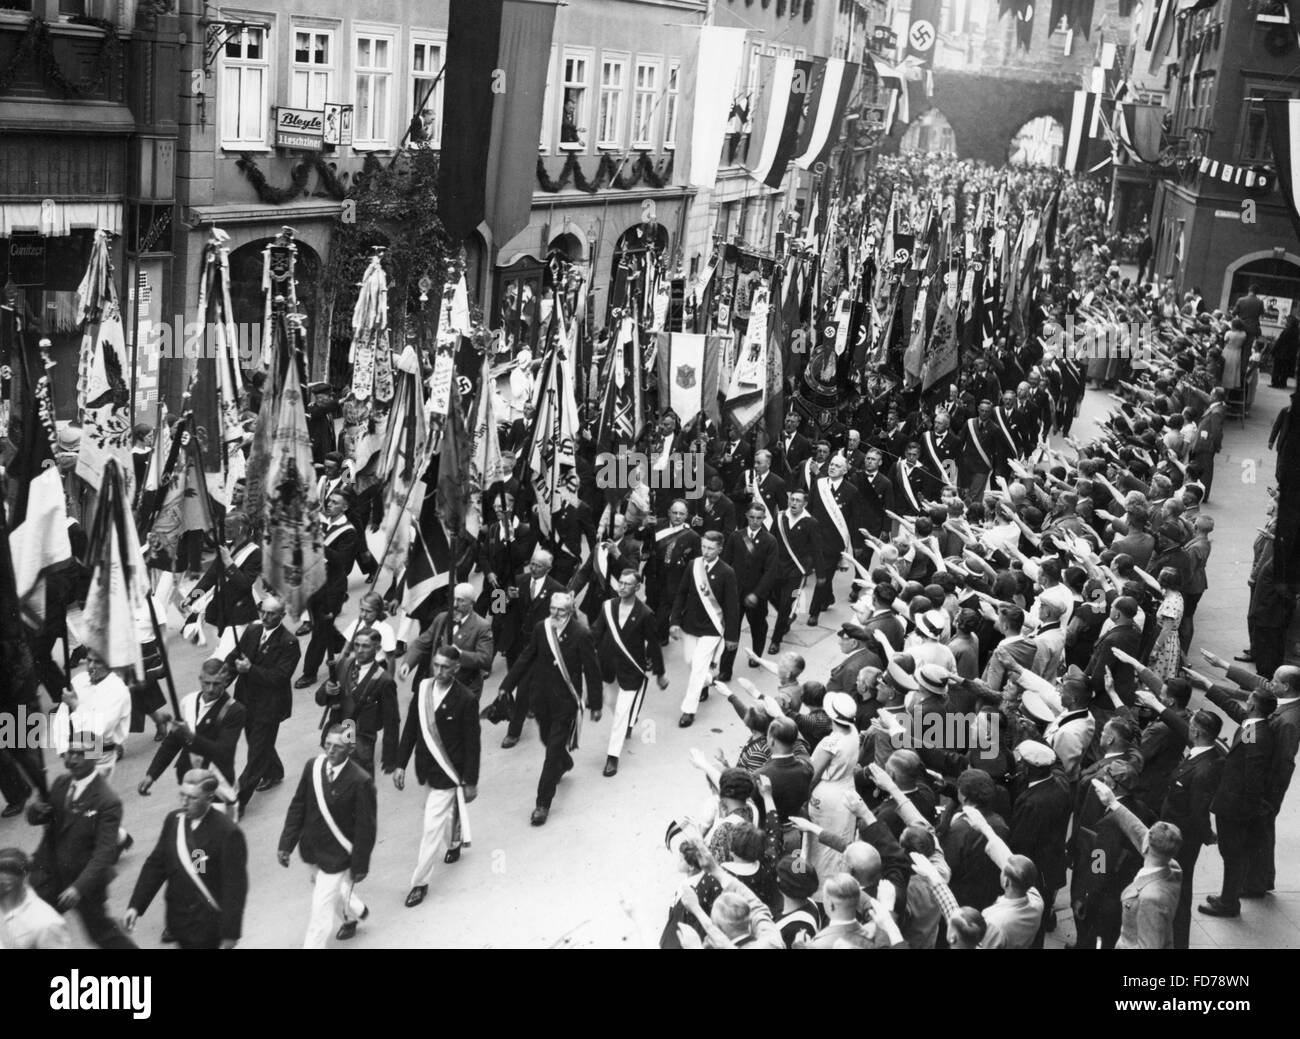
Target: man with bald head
{"type": "Point", "coordinates": [202, 858]}
{"type": "Point", "coordinates": [559, 658]}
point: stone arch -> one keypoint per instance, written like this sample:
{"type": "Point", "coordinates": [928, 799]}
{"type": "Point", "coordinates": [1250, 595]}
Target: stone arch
{"type": "Point", "coordinates": [930, 133]}
{"type": "Point", "coordinates": [1243, 264]}
{"type": "Point", "coordinates": [1038, 141]}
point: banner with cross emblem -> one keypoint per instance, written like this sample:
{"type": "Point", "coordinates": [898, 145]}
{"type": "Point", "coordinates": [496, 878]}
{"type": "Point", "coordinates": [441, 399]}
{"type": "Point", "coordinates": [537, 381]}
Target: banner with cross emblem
{"type": "Point", "coordinates": [923, 31]}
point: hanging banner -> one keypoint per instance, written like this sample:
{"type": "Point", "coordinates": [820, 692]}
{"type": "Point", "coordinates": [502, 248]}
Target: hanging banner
{"type": "Point", "coordinates": [923, 31]}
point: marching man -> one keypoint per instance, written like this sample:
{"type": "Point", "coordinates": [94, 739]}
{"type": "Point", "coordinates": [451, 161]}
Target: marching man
{"type": "Point", "coordinates": [628, 645]}
{"type": "Point", "coordinates": [331, 820]}
{"type": "Point", "coordinates": [705, 614]}
{"type": "Point", "coordinates": [442, 729]}
{"type": "Point", "coordinates": [203, 859]}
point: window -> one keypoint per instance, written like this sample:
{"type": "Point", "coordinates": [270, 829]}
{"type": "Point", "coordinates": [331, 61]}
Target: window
{"type": "Point", "coordinates": [373, 68]}
{"type": "Point", "coordinates": [1255, 144]}
{"type": "Point", "coordinates": [645, 101]}
{"type": "Point", "coordinates": [313, 68]}
{"type": "Point", "coordinates": [548, 105]}
{"type": "Point", "coordinates": [426, 91]}
{"type": "Point", "coordinates": [671, 101]}
{"type": "Point", "coordinates": [613, 85]}
{"type": "Point", "coordinates": [573, 114]}
{"type": "Point", "coordinates": [245, 76]}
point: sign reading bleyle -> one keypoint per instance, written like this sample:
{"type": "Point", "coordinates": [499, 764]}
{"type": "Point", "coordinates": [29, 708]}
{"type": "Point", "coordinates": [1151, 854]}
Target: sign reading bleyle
{"type": "Point", "coordinates": [299, 128]}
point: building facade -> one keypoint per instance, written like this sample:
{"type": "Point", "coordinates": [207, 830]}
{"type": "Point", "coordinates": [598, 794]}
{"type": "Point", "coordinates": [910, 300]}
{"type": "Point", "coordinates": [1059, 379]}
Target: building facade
{"type": "Point", "coordinates": [1213, 229]}
{"type": "Point", "coordinates": [88, 135]}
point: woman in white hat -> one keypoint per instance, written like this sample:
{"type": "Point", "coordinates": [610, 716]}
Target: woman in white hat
{"type": "Point", "coordinates": [833, 761]}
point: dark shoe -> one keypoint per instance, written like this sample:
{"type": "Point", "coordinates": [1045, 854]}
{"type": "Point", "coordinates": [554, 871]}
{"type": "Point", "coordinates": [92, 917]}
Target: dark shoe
{"type": "Point", "coordinates": [452, 856]}
{"type": "Point", "coordinates": [12, 810]}
{"type": "Point", "coordinates": [126, 844]}
{"type": "Point", "coordinates": [267, 784]}
{"type": "Point", "coordinates": [539, 816]}
{"type": "Point", "coordinates": [755, 663]}
{"type": "Point", "coordinates": [772, 650]}
{"type": "Point", "coordinates": [305, 681]}
{"type": "Point", "coordinates": [416, 895]}
{"type": "Point", "coordinates": [509, 742]}
{"type": "Point", "coordinates": [611, 766]}
{"type": "Point", "coordinates": [686, 721]}
{"type": "Point", "coordinates": [704, 694]}
{"type": "Point", "coordinates": [304, 629]}
{"type": "Point", "coordinates": [812, 620]}
{"type": "Point", "coordinates": [1253, 894]}
{"type": "Point", "coordinates": [167, 937]}
{"type": "Point", "coordinates": [1245, 658]}
{"type": "Point", "coordinates": [1215, 906]}
{"type": "Point", "coordinates": [349, 928]}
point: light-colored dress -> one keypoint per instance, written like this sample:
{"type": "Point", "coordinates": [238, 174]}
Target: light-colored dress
{"type": "Point", "coordinates": [1234, 345]}
{"type": "Point", "coordinates": [1167, 658]}
{"type": "Point", "coordinates": [826, 804]}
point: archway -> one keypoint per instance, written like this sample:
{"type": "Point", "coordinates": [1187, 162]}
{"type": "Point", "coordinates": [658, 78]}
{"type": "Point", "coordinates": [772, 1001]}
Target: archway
{"type": "Point", "coordinates": [1276, 275]}
{"type": "Point", "coordinates": [246, 296]}
{"type": "Point", "coordinates": [1038, 142]}
{"type": "Point", "coordinates": [628, 261]}
{"type": "Point", "coordinates": [929, 134]}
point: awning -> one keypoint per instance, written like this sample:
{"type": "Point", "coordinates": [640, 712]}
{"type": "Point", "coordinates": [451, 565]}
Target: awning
{"type": "Point", "coordinates": [58, 219]}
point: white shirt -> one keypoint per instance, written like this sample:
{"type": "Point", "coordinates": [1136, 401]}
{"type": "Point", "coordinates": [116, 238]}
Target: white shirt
{"type": "Point", "coordinates": [333, 771]}
{"type": "Point", "coordinates": [78, 786]}
{"type": "Point", "coordinates": [437, 694]}
{"type": "Point", "coordinates": [1196, 751]}
{"type": "Point", "coordinates": [103, 709]}
{"type": "Point", "coordinates": [33, 924]}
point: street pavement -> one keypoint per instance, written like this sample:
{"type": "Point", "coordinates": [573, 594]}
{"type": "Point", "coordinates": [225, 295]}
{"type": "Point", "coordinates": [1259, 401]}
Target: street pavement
{"type": "Point", "coordinates": [597, 874]}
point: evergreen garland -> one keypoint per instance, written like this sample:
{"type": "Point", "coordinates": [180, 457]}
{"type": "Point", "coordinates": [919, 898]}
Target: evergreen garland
{"type": "Point", "coordinates": [332, 186]}
{"type": "Point", "coordinates": [642, 169]}
{"type": "Point", "coordinates": [38, 45]}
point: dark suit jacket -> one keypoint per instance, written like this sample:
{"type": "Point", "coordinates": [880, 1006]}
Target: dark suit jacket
{"type": "Point", "coordinates": [641, 638]}
{"type": "Point", "coordinates": [915, 480]}
{"type": "Point", "coordinates": [79, 846]}
{"type": "Point", "coordinates": [1243, 794]}
{"type": "Point", "coordinates": [267, 689]}
{"type": "Point", "coordinates": [473, 639]}
{"type": "Point", "coordinates": [731, 465]}
{"type": "Point", "coordinates": [850, 502]}
{"type": "Point", "coordinates": [340, 555]}
{"type": "Point", "coordinates": [1127, 638]}
{"type": "Point", "coordinates": [525, 612]}
{"type": "Point", "coordinates": [503, 559]}
{"type": "Point", "coordinates": [351, 802]}
{"type": "Point", "coordinates": [718, 515]}
{"type": "Point", "coordinates": [1284, 724]}
{"type": "Point", "coordinates": [669, 558]}
{"type": "Point", "coordinates": [236, 605]}
{"type": "Point", "coordinates": [976, 881]}
{"type": "Point", "coordinates": [458, 726]}
{"type": "Point", "coordinates": [786, 460]}
{"type": "Point", "coordinates": [545, 679]}
{"type": "Point", "coordinates": [1162, 746]}
{"type": "Point", "coordinates": [688, 608]}
{"type": "Point", "coordinates": [805, 540]}
{"type": "Point", "coordinates": [224, 871]}
{"type": "Point", "coordinates": [791, 783]}
{"type": "Point", "coordinates": [889, 623]}
{"type": "Point", "coordinates": [214, 743]}
{"type": "Point", "coordinates": [772, 493]}
{"type": "Point", "coordinates": [372, 705]}
{"type": "Point", "coordinates": [1040, 820]}
{"type": "Point", "coordinates": [1192, 787]}
{"type": "Point", "coordinates": [755, 565]}
{"type": "Point", "coordinates": [844, 675]}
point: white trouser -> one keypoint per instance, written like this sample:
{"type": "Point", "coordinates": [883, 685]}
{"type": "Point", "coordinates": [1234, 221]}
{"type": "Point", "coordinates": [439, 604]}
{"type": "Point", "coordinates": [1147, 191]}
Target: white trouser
{"type": "Point", "coordinates": [622, 712]}
{"type": "Point", "coordinates": [698, 651]}
{"type": "Point", "coordinates": [332, 897]}
{"type": "Point", "coordinates": [439, 819]}
{"type": "Point", "coordinates": [229, 639]}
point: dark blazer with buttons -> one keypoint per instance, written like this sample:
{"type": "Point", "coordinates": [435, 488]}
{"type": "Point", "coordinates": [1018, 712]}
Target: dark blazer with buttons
{"type": "Point", "coordinates": [1039, 821]}
{"type": "Point", "coordinates": [371, 705]}
{"type": "Point", "coordinates": [352, 803]}
{"type": "Point", "coordinates": [849, 499]}
{"type": "Point", "coordinates": [235, 605]}
{"type": "Point", "coordinates": [754, 561]}
{"type": "Point", "coordinates": [458, 726]}
{"type": "Point", "coordinates": [215, 740]}
{"type": "Point", "coordinates": [771, 491]}
{"type": "Point", "coordinates": [804, 539]}
{"type": "Point", "coordinates": [719, 515]}
{"type": "Point", "coordinates": [689, 611]}
{"type": "Point", "coordinates": [1244, 790]}
{"type": "Point", "coordinates": [1126, 637]}
{"type": "Point", "coordinates": [474, 640]}
{"type": "Point", "coordinates": [641, 638]}
{"type": "Point", "coordinates": [545, 679]}
{"type": "Point", "coordinates": [79, 846]}
{"type": "Point", "coordinates": [787, 459]}
{"type": "Point", "coordinates": [1192, 787]}
{"type": "Point", "coordinates": [190, 917]}
{"type": "Point", "coordinates": [266, 690]}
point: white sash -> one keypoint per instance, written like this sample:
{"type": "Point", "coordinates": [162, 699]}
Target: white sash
{"type": "Point", "coordinates": [187, 863]}
{"type": "Point", "coordinates": [667, 532]}
{"type": "Point", "coordinates": [1011, 441]}
{"type": "Point", "coordinates": [334, 533]}
{"type": "Point", "coordinates": [973, 428]}
{"type": "Point", "coordinates": [782, 521]}
{"type": "Point", "coordinates": [246, 550]}
{"type": "Point", "coordinates": [433, 741]}
{"type": "Point", "coordinates": [833, 510]}
{"type": "Point", "coordinates": [934, 457]}
{"type": "Point", "coordinates": [190, 716]}
{"type": "Point", "coordinates": [611, 617]}
{"type": "Point", "coordinates": [709, 601]}
{"type": "Point", "coordinates": [553, 640]}
{"type": "Point", "coordinates": [318, 781]}
{"type": "Point", "coordinates": [907, 486]}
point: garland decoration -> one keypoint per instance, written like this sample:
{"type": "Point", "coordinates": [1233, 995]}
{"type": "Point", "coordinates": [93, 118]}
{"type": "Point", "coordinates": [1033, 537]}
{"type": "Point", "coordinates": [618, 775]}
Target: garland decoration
{"type": "Point", "coordinates": [642, 170]}
{"type": "Point", "coordinates": [331, 184]}
{"type": "Point", "coordinates": [38, 46]}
